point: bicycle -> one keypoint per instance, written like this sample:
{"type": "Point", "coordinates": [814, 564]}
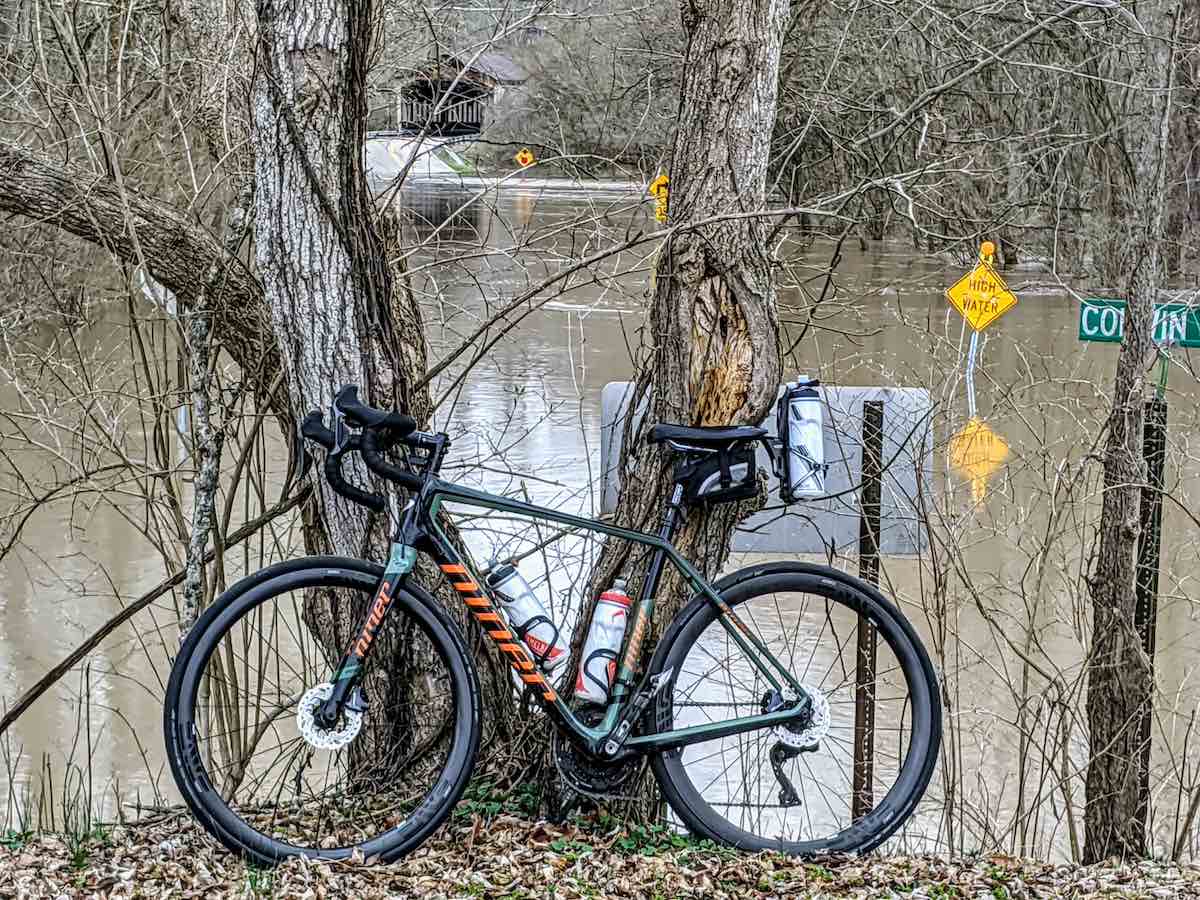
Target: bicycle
{"type": "Point", "coordinates": [282, 747]}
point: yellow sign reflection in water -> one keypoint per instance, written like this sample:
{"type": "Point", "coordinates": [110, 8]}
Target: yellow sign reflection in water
{"type": "Point", "coordinates": [976, 452]}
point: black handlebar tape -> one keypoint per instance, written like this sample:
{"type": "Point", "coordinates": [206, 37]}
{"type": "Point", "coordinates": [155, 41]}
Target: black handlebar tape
{"type": "Point", "coordinates": [376, 462]}
{"type": "Point", "coordinates": [313, 428]}
{"type": "Point", "coordinates": [333, 474]}
{"type": "Point", "coordinates": [359, 414]}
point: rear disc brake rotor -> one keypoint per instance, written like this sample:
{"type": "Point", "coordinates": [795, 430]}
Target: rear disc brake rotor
{"type": "Point", "coordinates": [808, 732]}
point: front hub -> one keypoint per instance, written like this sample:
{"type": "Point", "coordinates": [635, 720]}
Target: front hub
{"type": "Point", "coordinates": [312, 719]}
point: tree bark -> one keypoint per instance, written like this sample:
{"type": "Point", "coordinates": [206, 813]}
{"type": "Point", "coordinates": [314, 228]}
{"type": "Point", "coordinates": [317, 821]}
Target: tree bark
{"type": "Point", "coordinates": [710, 353]}
{"type": "Point", "coordinates": [316, 246]}
{"type": "Point", "coordinates": [1120, 684]}
{"type": "Point", "coordinates": [340, 312]}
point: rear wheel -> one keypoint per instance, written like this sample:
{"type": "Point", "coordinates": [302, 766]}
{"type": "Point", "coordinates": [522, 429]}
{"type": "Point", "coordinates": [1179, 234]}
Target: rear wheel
{"type": "Point", "coordinates": [792, 788]}
{"type": "Point", "coordinates": [258, 771]}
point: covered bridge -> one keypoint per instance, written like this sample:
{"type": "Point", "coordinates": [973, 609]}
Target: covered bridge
{"type": "Point", "coordinates": [460, 87]}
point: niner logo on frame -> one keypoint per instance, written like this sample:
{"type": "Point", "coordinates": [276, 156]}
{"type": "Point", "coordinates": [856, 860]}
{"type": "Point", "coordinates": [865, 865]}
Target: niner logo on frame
{"type": "Point", "coordinates": [382, 602]}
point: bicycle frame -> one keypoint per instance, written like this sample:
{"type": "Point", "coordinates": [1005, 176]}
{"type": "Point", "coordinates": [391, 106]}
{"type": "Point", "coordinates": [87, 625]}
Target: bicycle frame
{"type": "Point", "coordinates": [418, 531]}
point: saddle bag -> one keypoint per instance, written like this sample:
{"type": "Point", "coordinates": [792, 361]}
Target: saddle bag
{"type": "Point", "coordinates": [718, 477]}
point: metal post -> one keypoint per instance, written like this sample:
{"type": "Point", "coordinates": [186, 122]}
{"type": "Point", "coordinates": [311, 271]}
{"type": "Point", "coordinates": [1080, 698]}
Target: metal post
{"type": "Point", "coordinates": [863, 798]}
{"type": "Point", "coordinates": [1154, 448]}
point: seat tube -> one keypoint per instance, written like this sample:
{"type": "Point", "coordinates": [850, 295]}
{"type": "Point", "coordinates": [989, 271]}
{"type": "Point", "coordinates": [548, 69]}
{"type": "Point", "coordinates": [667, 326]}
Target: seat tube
{"type": "Point", "coordinates": [644, 609]}
{"type": "Point", "coordinates": [667, 532]}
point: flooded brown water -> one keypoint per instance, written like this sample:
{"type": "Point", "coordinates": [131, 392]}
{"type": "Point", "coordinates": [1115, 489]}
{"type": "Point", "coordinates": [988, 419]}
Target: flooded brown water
{"type": "Point", "coordinates": [1000, 595]}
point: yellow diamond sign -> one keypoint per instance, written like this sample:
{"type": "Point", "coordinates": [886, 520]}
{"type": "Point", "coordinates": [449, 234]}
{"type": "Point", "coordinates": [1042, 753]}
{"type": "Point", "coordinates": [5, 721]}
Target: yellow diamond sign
{"type": "Point", "coordinates": [981, 296]}
{"type": "Point", "coordinates": [976, 452]}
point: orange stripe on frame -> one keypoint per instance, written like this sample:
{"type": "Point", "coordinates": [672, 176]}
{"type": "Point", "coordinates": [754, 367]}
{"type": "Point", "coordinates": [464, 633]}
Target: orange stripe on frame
{"type": "Point", "coordinates": [501, 635]}
{"type": "Point", "coordinates": [549, 695]}
{"type": "Point", "coordinates": [467, 587]}
{"type": "Point", "coordinates": [533, 679]}
{"type": "Point", "coordinates": [488, 617]}
{"type": "Point", "coordinates": [454, 569]}
{"type": "Point", "coordinates": [477, 601]}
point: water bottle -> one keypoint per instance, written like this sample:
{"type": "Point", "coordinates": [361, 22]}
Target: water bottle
{"type": "Point", "coordinates": [599, 660]}
{"type": "Point", "coordinates": [805, 441]}
{"type": "Point", "coordinates": [527, 618]}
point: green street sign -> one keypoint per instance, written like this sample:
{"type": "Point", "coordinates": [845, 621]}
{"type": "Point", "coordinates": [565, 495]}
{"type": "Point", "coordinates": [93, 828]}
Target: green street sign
{"type": "Point", "coordinates": [1174, 323]}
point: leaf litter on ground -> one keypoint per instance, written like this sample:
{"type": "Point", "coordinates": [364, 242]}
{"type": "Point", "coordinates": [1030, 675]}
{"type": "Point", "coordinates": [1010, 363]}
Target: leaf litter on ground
{"type": "Point", "coordinates": [510, 857]}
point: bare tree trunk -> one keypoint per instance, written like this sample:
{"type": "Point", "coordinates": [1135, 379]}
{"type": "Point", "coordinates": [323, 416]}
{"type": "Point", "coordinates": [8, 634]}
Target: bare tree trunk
{"type": "Point", "coordinates": [1183, 223]}
{"type": "Point", "coordinates": [1120, 684]}
{"type": "Point", "coordinates": [319, 254]}
{"type": "Point", "coordinates": [711, 352]}
{"type": "Point", "coordinates": [340, 312]}
{"type": "Point", "coordinates": [208, 439]}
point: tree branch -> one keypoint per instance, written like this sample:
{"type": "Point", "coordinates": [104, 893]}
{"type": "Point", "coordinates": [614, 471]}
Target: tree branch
{"type": "Point", "coordinates": [48, 680]}
{"type": "Point", "coordinates": [179, 253]}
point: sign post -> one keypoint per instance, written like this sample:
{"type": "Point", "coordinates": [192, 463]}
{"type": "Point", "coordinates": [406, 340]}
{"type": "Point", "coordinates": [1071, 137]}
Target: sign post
{"type": "Point", "coordinates": [981, 297]}
{"type": "Point", "coordinates": [862, 799]}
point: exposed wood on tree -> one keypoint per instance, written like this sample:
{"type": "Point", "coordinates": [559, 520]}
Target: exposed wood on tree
{"type": "Point", "coordinates": [710, 347]}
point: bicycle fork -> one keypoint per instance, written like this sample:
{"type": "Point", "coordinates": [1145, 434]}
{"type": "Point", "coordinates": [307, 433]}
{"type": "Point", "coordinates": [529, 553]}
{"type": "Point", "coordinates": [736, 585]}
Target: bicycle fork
{"type": "Point", "coordinates": [400, 563]}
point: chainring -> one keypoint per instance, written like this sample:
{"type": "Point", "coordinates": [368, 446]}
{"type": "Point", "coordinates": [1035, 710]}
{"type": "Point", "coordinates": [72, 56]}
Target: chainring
{"type": "Point", "coordinates": [591, 777]}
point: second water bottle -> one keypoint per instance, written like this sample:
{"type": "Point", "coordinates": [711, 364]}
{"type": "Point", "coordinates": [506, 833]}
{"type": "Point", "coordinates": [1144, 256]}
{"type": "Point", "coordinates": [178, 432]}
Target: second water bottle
{"type": "Point", "coordinates": [598, 665]}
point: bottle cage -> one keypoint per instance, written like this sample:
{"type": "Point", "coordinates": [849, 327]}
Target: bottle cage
{"type": "Point", "coordinates": [522, 630]}
{"type": "Point", "coordinates": [605, 654]}
{"type": "Point", "coordinates": [787, 455]}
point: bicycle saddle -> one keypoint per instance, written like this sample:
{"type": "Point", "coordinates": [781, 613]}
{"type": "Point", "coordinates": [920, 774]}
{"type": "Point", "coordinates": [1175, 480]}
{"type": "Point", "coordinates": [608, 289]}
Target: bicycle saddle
{"type": "Point", "coordinates": [709, 438]}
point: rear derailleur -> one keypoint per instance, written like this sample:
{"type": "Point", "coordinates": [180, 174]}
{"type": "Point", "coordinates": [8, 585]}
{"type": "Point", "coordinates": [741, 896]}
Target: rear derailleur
{"type": "Point", "coordinates": [792, 740]}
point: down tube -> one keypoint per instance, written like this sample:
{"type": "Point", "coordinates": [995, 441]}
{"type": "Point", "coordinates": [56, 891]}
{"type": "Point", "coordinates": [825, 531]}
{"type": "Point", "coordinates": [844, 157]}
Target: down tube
{"type": "Point", "coordinates": [477, 598]}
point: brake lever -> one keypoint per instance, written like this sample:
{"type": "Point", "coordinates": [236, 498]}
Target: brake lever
{"type": "Point", "coordinates": [342, 435]}
{"type": "Point", "coordinates": [311, 428]}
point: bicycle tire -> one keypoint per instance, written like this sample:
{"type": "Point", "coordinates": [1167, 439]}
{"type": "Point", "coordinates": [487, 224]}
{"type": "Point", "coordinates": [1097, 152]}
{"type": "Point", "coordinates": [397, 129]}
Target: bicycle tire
{"type": "Point", "coordinates": [243, 602]}
{"type": "Point", "coordinates": [853, 597]}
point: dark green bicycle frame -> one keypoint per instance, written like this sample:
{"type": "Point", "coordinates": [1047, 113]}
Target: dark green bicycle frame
{"type": "Point", "coordinates": [419, 531]}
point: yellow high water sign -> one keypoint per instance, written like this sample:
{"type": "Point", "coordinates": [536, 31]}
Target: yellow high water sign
{"type": "Point", "coordinates": [981, 296]}
{"type": "Point", "coordinates": [976, 452]}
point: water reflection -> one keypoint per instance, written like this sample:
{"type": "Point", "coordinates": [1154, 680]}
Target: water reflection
{"type": "Point", "coordinates": [441, 214]}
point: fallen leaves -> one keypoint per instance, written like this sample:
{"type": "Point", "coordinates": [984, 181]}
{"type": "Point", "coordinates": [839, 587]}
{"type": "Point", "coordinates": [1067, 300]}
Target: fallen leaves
{"type": "Point", "coordinates": [508, 857]}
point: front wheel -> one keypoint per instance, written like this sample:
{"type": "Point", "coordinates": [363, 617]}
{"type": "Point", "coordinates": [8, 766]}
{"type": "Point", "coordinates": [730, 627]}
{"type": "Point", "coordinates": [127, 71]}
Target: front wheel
{"type": "Point", "coordinates": [247, 754]}
{"type": "Point", "coordinates": [799, 789]}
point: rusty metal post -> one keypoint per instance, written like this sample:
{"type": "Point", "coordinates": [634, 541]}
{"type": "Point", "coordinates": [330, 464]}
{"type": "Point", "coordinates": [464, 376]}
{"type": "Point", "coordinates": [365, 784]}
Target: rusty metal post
{"type": "Point", "coordinates": [863, 796]}
{"type": "Point", "coordinates": [1145, 616]}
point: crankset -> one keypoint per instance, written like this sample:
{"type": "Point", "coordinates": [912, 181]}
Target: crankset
{"type": "Point", "coordinates": [586, 775]}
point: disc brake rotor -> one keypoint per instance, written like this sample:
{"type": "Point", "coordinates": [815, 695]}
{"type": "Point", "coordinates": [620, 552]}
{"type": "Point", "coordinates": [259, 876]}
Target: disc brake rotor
{"type": "Point", "coordinates": [806, 736]}
{"type": "Point", "coordinates": [325, 738]}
